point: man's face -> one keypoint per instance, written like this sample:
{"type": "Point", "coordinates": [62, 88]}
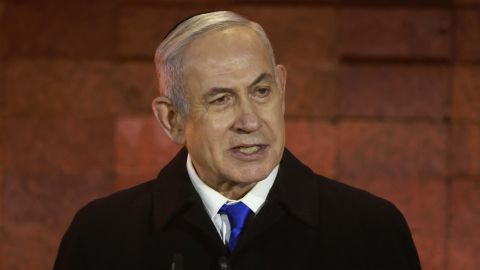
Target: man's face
{"type": "Point", "coordinates": [234, 129]}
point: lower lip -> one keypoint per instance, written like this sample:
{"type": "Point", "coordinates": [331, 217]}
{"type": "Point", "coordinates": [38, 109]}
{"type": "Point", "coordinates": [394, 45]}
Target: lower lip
{"type": "Point", "coordinates": [249, 157]}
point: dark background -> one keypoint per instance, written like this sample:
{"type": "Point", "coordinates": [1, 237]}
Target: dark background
{"type": "Point", "coordinates": [383, 97]}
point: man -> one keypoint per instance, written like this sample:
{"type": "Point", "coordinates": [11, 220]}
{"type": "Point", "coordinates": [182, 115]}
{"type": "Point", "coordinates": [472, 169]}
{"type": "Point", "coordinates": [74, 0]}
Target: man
{"type": "Point", "coordinates": [233, 198]}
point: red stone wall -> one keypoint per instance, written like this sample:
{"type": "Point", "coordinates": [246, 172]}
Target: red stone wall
{"type": "Point", "coordinates": [384, 97]}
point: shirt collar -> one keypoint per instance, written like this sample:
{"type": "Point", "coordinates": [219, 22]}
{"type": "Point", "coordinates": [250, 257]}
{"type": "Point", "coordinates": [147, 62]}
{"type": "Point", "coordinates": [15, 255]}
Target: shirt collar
{"type": "Point", "coordinates": [296, 188]}
{"type": "Point", "coordinates": [213, 200]}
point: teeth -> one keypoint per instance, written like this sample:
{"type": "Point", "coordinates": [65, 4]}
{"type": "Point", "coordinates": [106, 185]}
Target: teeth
{"type": "Point", "coordinates": [249, 150]}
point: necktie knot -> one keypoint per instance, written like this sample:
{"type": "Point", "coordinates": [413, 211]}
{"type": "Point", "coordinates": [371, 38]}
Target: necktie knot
{"type": "Point", "coordinates": [237, 216]}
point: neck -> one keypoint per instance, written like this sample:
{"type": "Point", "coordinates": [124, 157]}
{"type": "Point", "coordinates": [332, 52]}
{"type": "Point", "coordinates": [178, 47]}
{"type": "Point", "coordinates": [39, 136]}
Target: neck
{"type": "Point", "coordinates": [229, 189]}
{"type": "Point", "coordinates": [232, 191]}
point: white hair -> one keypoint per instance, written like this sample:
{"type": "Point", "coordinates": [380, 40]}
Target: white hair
{"type": "Point", "coordinates": [169, 54]}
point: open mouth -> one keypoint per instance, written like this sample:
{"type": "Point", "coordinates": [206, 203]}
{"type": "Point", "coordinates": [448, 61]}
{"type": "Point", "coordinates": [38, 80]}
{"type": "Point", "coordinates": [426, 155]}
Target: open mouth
{"type": "Point", "coordinates": [249, 149]}
{"type": "Point", "coordinates": [249, 152]}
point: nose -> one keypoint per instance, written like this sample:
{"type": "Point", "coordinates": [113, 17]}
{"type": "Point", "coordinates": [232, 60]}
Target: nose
{"type": "Point", "coordinates": [247, 119]}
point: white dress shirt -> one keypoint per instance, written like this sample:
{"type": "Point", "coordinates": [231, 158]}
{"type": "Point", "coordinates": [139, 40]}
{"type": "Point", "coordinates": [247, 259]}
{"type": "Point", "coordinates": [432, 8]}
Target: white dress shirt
{"type": "Point", "coordinates": [213, 200]}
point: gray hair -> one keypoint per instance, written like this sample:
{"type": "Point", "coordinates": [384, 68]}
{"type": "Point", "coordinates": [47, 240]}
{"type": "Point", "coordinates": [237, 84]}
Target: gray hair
{"type": "Point", "coordinates": [169, 54]}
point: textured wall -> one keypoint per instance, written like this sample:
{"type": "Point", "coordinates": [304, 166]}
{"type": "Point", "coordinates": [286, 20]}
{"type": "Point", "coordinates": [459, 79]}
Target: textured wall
{"type": "Point", "coordinates": [383, 97]}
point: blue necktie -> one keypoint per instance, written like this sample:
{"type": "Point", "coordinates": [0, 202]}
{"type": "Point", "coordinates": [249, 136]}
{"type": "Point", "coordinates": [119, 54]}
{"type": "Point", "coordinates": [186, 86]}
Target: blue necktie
{"type": "Point", "coordinates": [237, 215]}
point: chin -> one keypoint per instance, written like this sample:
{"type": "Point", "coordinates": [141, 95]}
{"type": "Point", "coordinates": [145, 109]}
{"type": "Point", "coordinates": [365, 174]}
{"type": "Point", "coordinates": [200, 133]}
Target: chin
{"type": "Point", "coordinates": [252, 175]}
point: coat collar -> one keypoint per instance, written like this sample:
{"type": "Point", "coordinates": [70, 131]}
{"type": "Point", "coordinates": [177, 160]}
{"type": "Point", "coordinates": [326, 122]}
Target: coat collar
{"type": "Point", "coordinates": [173, 191]}
{"type": "Point", "coordinates": [297, 189]}
{"type": "Point", "coordinates": [294, 188]}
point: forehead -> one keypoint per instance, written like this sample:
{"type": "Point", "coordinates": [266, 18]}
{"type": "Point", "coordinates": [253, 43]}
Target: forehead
{"type": "Point", "coordinates": [230, 51]}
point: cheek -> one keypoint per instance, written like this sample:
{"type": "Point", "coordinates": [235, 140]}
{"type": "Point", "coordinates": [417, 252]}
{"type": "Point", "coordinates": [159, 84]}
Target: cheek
{"type": "Point", "coordinates": [276, 127]}
{"type": "Point", "coordinates": [273, 116]}
{"type": "Point", "coordinates": [210, 130]}
{"type": "Point", "coordinates": [219, 123]}
{"type": "Point", "coordinates": [216, 127]}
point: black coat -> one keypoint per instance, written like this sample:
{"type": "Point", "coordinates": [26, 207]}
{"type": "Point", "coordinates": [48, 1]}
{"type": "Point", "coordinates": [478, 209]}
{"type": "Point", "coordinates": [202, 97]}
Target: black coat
{"type": "Point", "coordinates": [307, 222]}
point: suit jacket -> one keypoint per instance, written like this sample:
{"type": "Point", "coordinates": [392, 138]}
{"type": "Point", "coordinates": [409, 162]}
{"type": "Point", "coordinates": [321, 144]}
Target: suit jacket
{"type": "Point", "coordinates": [307, 222]}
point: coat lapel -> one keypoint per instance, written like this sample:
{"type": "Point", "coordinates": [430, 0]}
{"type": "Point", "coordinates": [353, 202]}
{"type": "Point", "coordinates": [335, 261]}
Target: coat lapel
{"type": "Point", "coordinates": [198, 219]}
{"type": "Point", "coordinates": [176, 198]}
{"type": "Point", "coordinates": [262, 224]}
{"type": "Point", "coordinates": [298, 190]}
{"type": "Point", "coordinates": [293, 194]}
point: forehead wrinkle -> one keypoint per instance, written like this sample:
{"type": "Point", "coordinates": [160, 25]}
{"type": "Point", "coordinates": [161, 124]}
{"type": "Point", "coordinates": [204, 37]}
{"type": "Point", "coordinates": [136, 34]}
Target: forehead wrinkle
{"type": "Point", "coordinates": [229, 65]}
{"type": "Point", "coordinates": [221, 42]}
{"type": "Point", "coordinates": [211, 61]}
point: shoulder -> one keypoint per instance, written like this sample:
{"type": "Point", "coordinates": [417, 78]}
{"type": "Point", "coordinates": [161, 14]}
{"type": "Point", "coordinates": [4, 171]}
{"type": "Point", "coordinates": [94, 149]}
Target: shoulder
{"type": "Point", "coordinates": [99, 226]}
{"type": "Point", "coordinates": [343, 195]}
{"type": "Point", "coordinates": [332, 195]}
{"type": "Point", "coordinates": [135, 204]}
{"type": "Point", "coordinates": [365, 215]}
{"type": "Point", "coordinates": [336, 201]}
{"type": "Point", "coordinates": [130, 202]}
{"type": "Point", "coordinates": [127, 197]}
{"type": "Point", "coordinates": [355, 216]}
{"type": "Point", "coordinates": [356, 202]}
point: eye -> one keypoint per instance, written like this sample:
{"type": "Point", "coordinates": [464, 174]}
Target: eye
{"type": "Point", "coordinates": [221, 100]}
{"type": "Point", "coordinates": [262, 92]}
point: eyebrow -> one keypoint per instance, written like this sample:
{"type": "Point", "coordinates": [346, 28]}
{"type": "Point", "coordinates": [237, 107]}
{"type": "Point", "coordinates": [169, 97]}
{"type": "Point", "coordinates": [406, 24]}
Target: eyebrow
{"type": "Point", "coordinates": [260, 78]}
{"type": "Point", "coordinates": [217, 90]}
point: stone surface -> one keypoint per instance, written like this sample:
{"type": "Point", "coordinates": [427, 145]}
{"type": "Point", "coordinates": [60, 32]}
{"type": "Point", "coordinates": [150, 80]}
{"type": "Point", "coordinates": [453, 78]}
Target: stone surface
{"type": "Point", "coordinates": [312, 91]}
{"type": "Point", "coordinates": [464, 149]}
{"type": "Point", "coordinates": [79, 88]}
{"type": "Point", "coordinates": [61, 29]}
{"type": "Point", "coordinates": [61, 144]}
{"type": "Point", "coordinates": [467, 3]}
{"type": "Point", "coordinates": [375, 149]}
{"type": "Point", "coordinates": [178, 2]}
{"type": "Point", "coordinates": [51, 199]}
{"type": "Point", "coordinates": [136, 86]}
{"type": "Point", "coordinates": [2, 221]}
{"type": "Point", "coordinates": [2, 53]}
{"type": "Point", "coordinates": [394, 90]}
{"type": "Point", "coordinates": [396, 2]}
{"type": "Point", "coordinates": [141, 29]}
{"type": "Point", "coordinates": [42, 188]}
{"type": "Point", "coordinates": [32, 248]}
{"type": "Point", "coordinates": [142, 149]}
{"type": "Point", "coordinates": [314, 143]}
{"type": "Point", "coordinates": [56, 87]}
{"type": "Point", "coordinates": [465, 93]}
{"type": "Point", "coordinates": [285, 2]}
{"type": "Point", "coordinates": [2, 115]}
{"type": "Point", "coordinates": [311, 38]}
{"type": "Point", "coordinates": [2, 143]}
{"type": "Point", "coordinates": [465, 221]}
{"type": "Point", "coordinates": [3, 147]}
{"type": "Point", "coordinates": [40, 208]}
{"type": "Point", "coordinates": [398, 33]}
{"type": "Point", "coordinates": [2, 128]}
{"type": "Point", "coordinates": [467, 36]}
{"type": "Point", "coordinates": [423, 201]}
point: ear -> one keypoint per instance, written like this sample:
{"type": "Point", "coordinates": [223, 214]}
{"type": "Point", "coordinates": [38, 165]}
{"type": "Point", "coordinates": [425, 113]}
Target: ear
{"type": "Point", "coordinates": [170, 119]}
{"type": "Point", "coordinates": [281, 76]}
